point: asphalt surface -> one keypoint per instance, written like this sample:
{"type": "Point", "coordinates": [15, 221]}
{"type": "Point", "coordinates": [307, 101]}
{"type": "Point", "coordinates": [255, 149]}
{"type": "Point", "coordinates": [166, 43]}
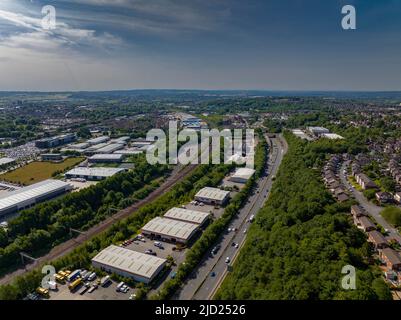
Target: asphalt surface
{"type": "Point", "coordinates": [372, 209]}
{"type": "Point", "coordinates": [201, 285]}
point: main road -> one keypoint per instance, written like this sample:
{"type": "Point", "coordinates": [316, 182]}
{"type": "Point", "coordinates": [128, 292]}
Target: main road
{"type": "Point", "coordinates": [372, 209]}
{"type": "Point", "coordinates": [207, 277]}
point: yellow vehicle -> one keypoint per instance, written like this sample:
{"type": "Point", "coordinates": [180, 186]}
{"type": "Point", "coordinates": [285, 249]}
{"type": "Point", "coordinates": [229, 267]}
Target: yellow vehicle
{"type": "Point", "coordinates": [43, 292]}
{"type": "Point", "coordinates": [59, 278]}
{"type": "Point", "coordinates": [62, 274]}
{"type": "Point", "coordinates": [74, 284]}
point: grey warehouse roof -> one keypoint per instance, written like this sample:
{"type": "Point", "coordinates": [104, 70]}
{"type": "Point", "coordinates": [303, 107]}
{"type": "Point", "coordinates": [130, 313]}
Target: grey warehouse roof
{"type": "Point", "coordinates": [212, 193]}
{"type": "Point", "coordinates": [133, 262]}
{"type": "Point", "coordinates": [26, 194]}
{"type": "Point", "coordinates": [171, 228]}
{"type": "Point", "coordinates": [95, 172]}
{"type": "Point", "coordinates": [191, 216]}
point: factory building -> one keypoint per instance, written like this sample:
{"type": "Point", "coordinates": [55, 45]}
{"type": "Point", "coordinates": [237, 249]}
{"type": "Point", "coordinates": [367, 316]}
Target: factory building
{"type": "Point", "coordinates": [128, 263]}
{"type": "Point", "coordinates": [169, 230]}
{"type": "Point", "coordinates": [51, 157]}
{"type": "Point", "coordinates": [28, 196]}
{"type": "Point", "coordinates": [6, 162]}
{"type": "Point", "coordinates": [53, 142]}
{"type": "Point", "coordinates": [98, 140]}
{"type": "Point", "coordinates": [110, 148]}
{"type": "Point", "coordinates": [106, 158]}
{"type": "Point", "coordinates": [92, 173]}
{"type": "Point", "coordinates": [318, 131]}
{"type": "Point", "coordinates": [185, 215]}
{"type": "Point", "coordinates": [242, 175]}
{"type": "Point", "coordinates": [212, 196]}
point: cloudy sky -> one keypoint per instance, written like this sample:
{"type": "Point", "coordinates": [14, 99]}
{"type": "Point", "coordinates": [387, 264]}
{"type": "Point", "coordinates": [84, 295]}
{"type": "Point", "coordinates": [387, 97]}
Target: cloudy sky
{"type": "Point", "coordinates": [200, 44]}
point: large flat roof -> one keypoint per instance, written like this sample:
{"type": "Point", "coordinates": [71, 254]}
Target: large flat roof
{"type": "Point", "coordinates": [98, 140]}
{"type": "Point", "coordinates": [191, 216]}
{"type": "Point", "coordinates": [11, 199]}
{"type": "Point", "coordinates": [95, 172]}
{"type": "Point", "coordinates": [212, 193]}
{"type": "Point", "coordinates": [171, 228]}
{"type": "Point", "coordinates": [143, 265]}
{"type": "Point", "coordinates": [110, 148]}
{"type": "Point", "coordinates": [243, 173]}
{"type": "Point", "coordinates": [106, 156]}
{"type": "Point", "coordinates": [4, 161]}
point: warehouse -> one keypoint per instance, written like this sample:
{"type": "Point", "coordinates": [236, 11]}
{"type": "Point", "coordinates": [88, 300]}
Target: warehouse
{"type": "Point", "coordinates": [51, 157]}
{"type": "Point", "coordinates": [110, 148]}
{"type": "Point", "coordinates": [53, 142]}
{"type": "Point", "coordinates": [169, 230]}
{"type": "Point", "coordinates": [318, 131]}
{"type": "Point", "coordinates": [106, 158]}
{"type": "Point", "coordinates": [192, 216]}
{"type": "Point", "coordinates": [98, 140]}
{"type": "Point", "coordinates": [92, 173]}
{"type": "Point", "coordinates": [28, 196]}
{"type": "Point", "coordinates": [242, 175]}
{"type": "Point", "coordinates": [128, 263]}
{"type": "Point", "coordinates": [212, 196]}
{"type": "Point", "coordinates": [5, 162]}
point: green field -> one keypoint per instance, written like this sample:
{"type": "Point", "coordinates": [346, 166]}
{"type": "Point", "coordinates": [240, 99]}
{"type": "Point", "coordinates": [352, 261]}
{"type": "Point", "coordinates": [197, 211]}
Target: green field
{"type": "Point", "coordinates": [38, 171]}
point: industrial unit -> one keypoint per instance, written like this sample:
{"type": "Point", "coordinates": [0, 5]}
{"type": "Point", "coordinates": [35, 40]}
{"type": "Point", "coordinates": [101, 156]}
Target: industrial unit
{"type": "Point", "coordinates": [169, 230]}
{"type": "Point", "coordinates": [192, 216]}
{"type": "Point", "coordinates": [103, 158]}
{"type": "Point", "coordinates": [5, 162]}
{"type": "Point", "coordinates": [51, 157]}
{"type": "Point", "coordinates": [52, 142]}
{"type": "Point", "coordinates": [212, 196]}
{"type": "Point", "coordinates": [93, 173]}
{"type": "Point", "coordinates": [242, 175]}
{"type": "Point", "coordinates": [128, 263]}
{"type": "Point", "coordinates": [28, 196]}
{"type": "Point", "coordinates": [98, 140]}
{"type": "Point", "coordinates": [110, 148]}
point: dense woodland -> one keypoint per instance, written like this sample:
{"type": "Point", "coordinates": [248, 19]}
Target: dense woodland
{"type": "Point", "coordinates": [301, 240]}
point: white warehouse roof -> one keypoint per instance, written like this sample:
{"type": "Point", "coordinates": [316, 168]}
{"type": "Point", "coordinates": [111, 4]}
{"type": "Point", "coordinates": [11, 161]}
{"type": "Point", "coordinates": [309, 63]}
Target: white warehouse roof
{"type": "Point", "coordinates": [98, 140]}
{"type": "Point", "coordinates": [107, 156]}
{"type": "Point", "coordinates": [191, 216]}
{"type": "Point", "coordinates": [243, 173]}
{"type": "Point", "coordinates": [110, 148]}
{"type": "Point", "coordinates": [140, 264]}
{"type": "Point", "coordinates": [4, 161]}
{"type": "Point", "coordinates": [28, 195]}
{"type": "Point", "coordinates": [212, 194]}
{"type": "Point", "coordinates": [94, 172]}
{"type": "Point", "coordinates": [170, 228]}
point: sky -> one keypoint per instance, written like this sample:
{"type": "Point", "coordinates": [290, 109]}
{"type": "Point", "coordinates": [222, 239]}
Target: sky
{"type": "Point", "coordinates": [200, 44]}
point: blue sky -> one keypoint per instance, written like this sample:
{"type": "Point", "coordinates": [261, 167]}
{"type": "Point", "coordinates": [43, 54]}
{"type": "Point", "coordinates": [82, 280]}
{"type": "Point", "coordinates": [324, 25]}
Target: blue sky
{"type": "Point", "coordinates": [195, 44]}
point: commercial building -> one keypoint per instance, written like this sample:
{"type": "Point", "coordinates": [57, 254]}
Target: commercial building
{"type": "Point", "coordinates": [128, 263]}
{"type": "Point", "coordinates": [6, 162]}
{"type": "Point", "coordinates": [79, 146]}
{"type": "Point", "coordinates": [106, 158]}
{"type": "Point", "coordinates": [318, 131]}
{"type": "Point", "coordinates": [110, 148]}
{"type": "Point", "coordinates": [129, 151]}
{"type": "Point", "coordinates": [98, 140]}
{"type": "Point", "coordinates": [212, 196]}
{"type": "Point", "coordinates": [53, 142]}
{"type": "Point", "coordinates": [51, 157]}
{"type": "Point", "coordinates": [332, 136]}
{"type": "Point", "coordinates": [28, 196]}
{"type": "Point", "coordinates": [169, 230]}
{"type": "Point", "coordinates": [191, 216]}
{"type": "Point", "coordinates": [391, 258]}
{"type": "Point", "coordinates": [242, 175]}
{"type": "Point", "coordinates": [93, 173]}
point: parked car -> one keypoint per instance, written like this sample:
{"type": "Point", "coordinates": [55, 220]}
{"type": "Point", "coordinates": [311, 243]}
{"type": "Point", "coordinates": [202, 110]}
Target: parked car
{"type": "Point", "coordinates": [228, 260]}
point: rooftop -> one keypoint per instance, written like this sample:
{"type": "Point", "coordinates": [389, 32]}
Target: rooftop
{"type": "Point", "coordinates": [95, 172]}
{"type": "Point", "coordinates": [171, 228]}
{"type": "Point", "coordinates": [106, 156]}
{"type": "Point", "coordinates": [133, 262]}
{"type": "Point", "coordinates": [243, 173]}
{"type": "Point", "coordinates": [192, 216]}
{"type": "Point", "coordinates": [212, 193]}
{"type": "Point", "coordinates": [4, 161]}
{"type": "Point", "coordinates": [11, 199]}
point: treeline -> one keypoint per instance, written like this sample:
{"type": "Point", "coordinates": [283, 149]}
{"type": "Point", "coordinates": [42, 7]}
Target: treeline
{"type": "Point", "coordinates": [301, 240]}
{"type": "Point", "coordinates": [215, 229]}
{"type": "Point", "coordinates": [204, 175]}
{"type": "Point", "coordinates": [46, 225]}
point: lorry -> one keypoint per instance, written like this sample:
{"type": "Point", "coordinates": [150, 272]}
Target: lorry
{"type": "Point", "coordinates": [73, 285]}
{"type": "Point", "coordinates": [73, 275]}
{"type": "Point", "coordinates": [52, 285]}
